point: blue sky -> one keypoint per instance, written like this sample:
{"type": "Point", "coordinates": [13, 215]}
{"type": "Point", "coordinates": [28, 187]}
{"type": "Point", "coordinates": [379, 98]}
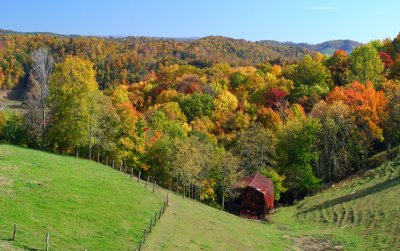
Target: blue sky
{"type": "Point", "coordinates": [310, 21]}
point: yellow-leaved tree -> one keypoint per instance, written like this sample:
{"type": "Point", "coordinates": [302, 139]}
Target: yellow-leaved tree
{"type": "Point", "coordinates": [71, 90]}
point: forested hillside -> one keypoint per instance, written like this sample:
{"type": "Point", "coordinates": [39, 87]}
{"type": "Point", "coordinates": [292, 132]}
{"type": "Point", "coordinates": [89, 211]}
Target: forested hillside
{"type": "Point", "coordinates": [328, 47]}
{"type": "Point", "coordinates": [128, 60]}
{"type": "Point", "coordinates": [200, 114]}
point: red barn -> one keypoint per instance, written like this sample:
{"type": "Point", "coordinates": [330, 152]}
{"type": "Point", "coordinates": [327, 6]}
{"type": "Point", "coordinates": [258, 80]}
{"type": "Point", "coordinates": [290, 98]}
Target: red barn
{"type": "Point", "coordinates": [255, 196]}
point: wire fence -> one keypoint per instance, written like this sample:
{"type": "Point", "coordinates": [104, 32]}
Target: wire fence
{"type": "Point", "coordinates": [127, 171]}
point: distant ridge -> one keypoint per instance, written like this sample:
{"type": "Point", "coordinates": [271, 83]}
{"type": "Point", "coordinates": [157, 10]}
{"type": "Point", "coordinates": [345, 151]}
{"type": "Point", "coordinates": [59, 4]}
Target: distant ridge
{"type": "Point", "coordinates": [328, 47]}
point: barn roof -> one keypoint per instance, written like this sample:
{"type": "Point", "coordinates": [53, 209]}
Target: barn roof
{"type": "Point", "coordinates": [256, 181]}
{"type": "Point", "coordinates": [260, 183]}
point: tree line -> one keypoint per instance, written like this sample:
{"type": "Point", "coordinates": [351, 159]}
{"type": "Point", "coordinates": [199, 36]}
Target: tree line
{"type": "Point", "coordinates": [128, 60]}
{"type": "Point", "coordinates": [303, 124]}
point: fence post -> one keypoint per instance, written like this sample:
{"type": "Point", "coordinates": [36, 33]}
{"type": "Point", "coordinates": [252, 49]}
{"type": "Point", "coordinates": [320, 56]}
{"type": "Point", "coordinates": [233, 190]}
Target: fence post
{"type": "Point", "coordinates": [138, 178]}
{"type": "Point", "coordinates": [155, 219]}
{"type": "Point", "coordinates": [113, 162]}
{"type": "Point", "coordinates": [120, 168]}
{"type": "Point", "coordinates": [146, 181]}
{"type": "Point", "coordinates": [47, 241]}
{"type": "Point", "coordinates": [141, 244]}
{"type": "Point", "coordinates": [14, 232]}
{"type": "Point", "coordinates": [144, 234]}
{"type": "Point", "coordinates": [154, 184]}
{"type": "Point", "coordinates": [151, 225]}
{"type": "Point", "coordinates": [167, 199]}
{"type": "Point", "coordinates": [132, 172]}
{"type": "Point", "coordinates": [159, 213]}
{"type": "Point", "coordinates": [98, 157]}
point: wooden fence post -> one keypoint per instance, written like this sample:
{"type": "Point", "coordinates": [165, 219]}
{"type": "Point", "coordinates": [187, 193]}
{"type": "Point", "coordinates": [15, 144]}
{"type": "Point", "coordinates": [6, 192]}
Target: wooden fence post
{"type": "Point", "coordinates": [154, 184]}
{"type": "Point", "coordinates": [144, 235]}
{"type": "Point", "coordinates": [141, 244]}
{"type": "Point", "coordinates": [120, 168]}
{"type": "Point", "coordinates": [151, 225]}
{"type": "Point", "coordinates": [155, 219]}
{"type": "Point", "coordinates": [167, 199]}
{"type": "Point", "coordinates": [132, 172]}
{"type": "Point", "coordinates": [47, 241]}
{"type": "Point", "coordinates": [159, 213]}
{"type": "Point", "coordinates": [138, 177]}
{"type": "Point", "coordinates": [146, 181]}
{"type": "Point", "coordinates": [98, 157]}
{"type": "Point", "coordinates": [107, 161]}
{"type": "Point", "coordinates": [14, 232]}
{"type": "Point", "coordinates": [113, 162]}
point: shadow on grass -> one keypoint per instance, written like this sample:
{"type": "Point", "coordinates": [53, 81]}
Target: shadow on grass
{"type": "Point", "coordinates": [20, 246]}
{"type": "Point", "coordinates": [362, 193]}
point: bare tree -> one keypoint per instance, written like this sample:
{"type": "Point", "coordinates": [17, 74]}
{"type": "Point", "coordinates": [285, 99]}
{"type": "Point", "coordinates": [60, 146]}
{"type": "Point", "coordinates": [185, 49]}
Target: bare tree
{"type": "Point", "coordinates": [42, 66]}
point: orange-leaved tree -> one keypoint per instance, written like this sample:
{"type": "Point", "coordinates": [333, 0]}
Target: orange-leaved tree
{"type": "Point", "coordinates": [367, 105]}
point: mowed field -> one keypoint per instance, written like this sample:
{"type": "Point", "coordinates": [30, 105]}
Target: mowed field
{"type": "Point", "coordinates": [368, 206]}
{"type": "Point", "coordinates": [360, 213]}
{"type": "Point", "coordinates": [83, 204]}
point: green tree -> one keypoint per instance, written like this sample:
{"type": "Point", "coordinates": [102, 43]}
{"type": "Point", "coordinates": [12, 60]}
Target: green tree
{"type": "Point", "coordinates": [237, 78]}
{"type": "Point", "coordinates": [13, 128]}
{"type": "Point", "coordinates": [228, 172]}
{"type": "Point", "coordinates": [312, 80]}
{"type": "Point", "coordinates": [278, 181]}
{"type": "Point", "coordinates": [391, 122]}
{"type": "Point", "coordinates": [337, 140]}
{"type": "Point", "coordinates": [255, 148]}
{"type": "Point", "coordinates": [366, 65]}
{"type": "Point", "coordinates": [297, 152]}
{"type": "Point", "coordinates": [107, 127]}
{"type": "Point", "coordinates": [196, 105]}
{"type": "Point", "coordinates": [71, 87]}
{"type": "Point", "coordinates": [193, 160]}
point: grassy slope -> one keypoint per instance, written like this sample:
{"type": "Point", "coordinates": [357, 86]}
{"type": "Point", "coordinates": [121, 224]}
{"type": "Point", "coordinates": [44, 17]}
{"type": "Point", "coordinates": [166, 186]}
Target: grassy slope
{"type": "Point", "coordinates": [189, 225]}
{"type": "Point", "coordinates": [368, 206]}
{"type": "Point", "coordinates": [12, 99]}
{"type": "Point", "coordinates": [82, 204]}
{"type": "Point", "coordinates": [362, 213]}
{"type": "Point", "coordinates": [47, 190]}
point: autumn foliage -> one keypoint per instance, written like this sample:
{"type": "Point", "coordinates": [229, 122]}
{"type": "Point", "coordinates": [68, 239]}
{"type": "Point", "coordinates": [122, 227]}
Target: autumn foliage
{"type": "Point", "coordinates": [366, 103]}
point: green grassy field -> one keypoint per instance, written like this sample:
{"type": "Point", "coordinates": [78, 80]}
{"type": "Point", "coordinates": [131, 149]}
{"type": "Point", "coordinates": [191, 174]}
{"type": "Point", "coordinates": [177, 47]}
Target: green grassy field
{"type": "Point", "coordinates": [361, 213]}
{"type": "Point", "coordinates": [80, 203]}
{"type": "Point", "coordinates": [12, 100]}
{"type": "Point", "coordinates": [86, 205]}
{"type": "Point", "coordinates": [189, 225]}
{"type": "Point", "coordinates": [368, 206]}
